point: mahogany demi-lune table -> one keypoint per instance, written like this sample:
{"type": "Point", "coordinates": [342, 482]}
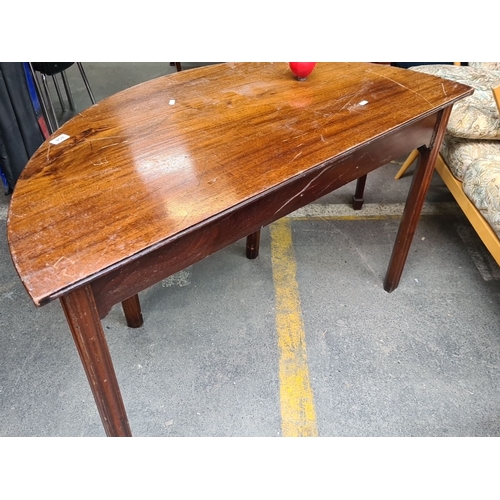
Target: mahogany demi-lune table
{"type": "Point", "coordinates": [155, 178]}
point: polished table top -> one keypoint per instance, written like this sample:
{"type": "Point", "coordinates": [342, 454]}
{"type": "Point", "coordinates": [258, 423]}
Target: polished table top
{"type": "Point", "coordinates": [140, 168]}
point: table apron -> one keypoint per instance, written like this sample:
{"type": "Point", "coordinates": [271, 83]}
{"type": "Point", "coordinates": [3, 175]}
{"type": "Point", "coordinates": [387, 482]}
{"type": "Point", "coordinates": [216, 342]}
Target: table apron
{"type": "Point", "coordinates": [198, 242]}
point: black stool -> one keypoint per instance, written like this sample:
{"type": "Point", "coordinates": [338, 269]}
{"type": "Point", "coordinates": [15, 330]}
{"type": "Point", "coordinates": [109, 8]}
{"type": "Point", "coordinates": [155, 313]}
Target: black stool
{"type": "Point", "coordinates": [52, 69]}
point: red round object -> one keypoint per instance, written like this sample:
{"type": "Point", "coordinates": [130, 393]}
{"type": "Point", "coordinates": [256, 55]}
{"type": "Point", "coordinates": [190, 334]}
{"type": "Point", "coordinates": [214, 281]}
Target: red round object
{"type": "Point", "coordinates": [302, 69]}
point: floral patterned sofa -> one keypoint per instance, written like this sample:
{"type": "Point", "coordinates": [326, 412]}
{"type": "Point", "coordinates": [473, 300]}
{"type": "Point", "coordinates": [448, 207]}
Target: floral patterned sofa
{"type": "Point", "coordinates": [469, 162]}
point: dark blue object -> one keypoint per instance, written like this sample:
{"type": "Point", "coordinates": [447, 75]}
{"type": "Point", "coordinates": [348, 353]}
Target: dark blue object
{"type": "Point", "coordinates": [410, 64]}
{"type": "Point", "coordinates": [5, 182]}
{"type": "Point", "coordinates": [20, 134]}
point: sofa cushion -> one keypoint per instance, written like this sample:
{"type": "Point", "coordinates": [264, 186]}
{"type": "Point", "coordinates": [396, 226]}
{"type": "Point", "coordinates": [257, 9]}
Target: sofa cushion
{"type": "Point", "coordinates": [485, 65]}
{"type": "Point", "coordinates": [476, 116]}
{"type": "Point", "coordinates": [459, 153]}
{"type": "Point", "coordinates": [478, 77]}
{"type": "Point", "coordinates": [481, 184]}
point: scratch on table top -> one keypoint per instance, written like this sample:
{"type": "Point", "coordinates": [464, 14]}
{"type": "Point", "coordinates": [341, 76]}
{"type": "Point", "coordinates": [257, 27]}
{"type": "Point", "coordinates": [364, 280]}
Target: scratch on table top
{"type": "Point", "coordinates": [350, 97]}
{"type": "Point", "coordinates": [105, 138]}
{"type": "Point", "coordinates": [294, 158]}
{"type": "Point", "coordinates": [114, 144]}
{"type": "Point", "coordinates": [57, 262]}
{"type": "Point", "coordinates": [91, 142]}
{"type": "Point", "coordinates": [401, 85]}
{"type": "Point", "coordinates": [349, 101]}
{"type": "Point", "coordinates": [101, 161]}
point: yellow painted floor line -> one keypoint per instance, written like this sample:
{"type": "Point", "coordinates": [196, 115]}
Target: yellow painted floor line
{"type": "Point", "coordinates": [298, 414]}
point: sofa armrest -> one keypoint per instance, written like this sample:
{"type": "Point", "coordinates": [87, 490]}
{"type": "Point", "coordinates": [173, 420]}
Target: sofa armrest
{"type": "Point", "coordinates": [496, 94]}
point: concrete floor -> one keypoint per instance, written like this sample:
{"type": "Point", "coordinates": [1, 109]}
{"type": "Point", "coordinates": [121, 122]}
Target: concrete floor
{"type": "Point", "coordinates": [421, 361]}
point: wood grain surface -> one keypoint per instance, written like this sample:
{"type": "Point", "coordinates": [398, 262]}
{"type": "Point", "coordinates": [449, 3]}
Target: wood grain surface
{"type": "Point", "coordinates": [157, 160]}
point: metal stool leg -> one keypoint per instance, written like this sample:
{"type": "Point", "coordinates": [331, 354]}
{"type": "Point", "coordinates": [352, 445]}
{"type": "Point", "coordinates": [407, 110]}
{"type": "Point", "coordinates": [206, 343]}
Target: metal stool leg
{"type": "Point", "coordinates": [58, 90]}
{"type": "Point", "coordinates": [55, 124]}
{"type": "Point", "coordinates": [68, 91]}
{"type": "Point", "coordinates": [84, 77]}
{"type": "Point", "coordinates": [43, 104]}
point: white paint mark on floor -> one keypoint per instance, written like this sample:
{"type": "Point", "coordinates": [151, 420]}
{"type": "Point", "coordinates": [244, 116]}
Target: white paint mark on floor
{"type": "Point", "coordinates": [372, 210]}
{"type": "Point", "coordinates": [182, 278]}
